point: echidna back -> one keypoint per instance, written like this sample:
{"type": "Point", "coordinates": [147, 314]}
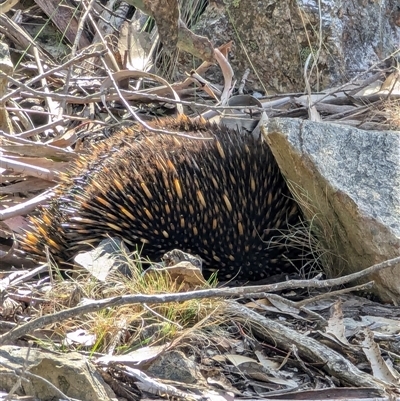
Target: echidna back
{"type": "Point", "coordinates": [223, 199]}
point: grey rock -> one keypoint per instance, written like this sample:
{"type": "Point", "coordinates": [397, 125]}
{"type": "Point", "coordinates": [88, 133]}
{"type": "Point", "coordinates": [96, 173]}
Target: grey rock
{"type": "Point", "coordinates": [70, 373]}
{"type": "Point", "coordinates": [109, 256]}
{"type": "Point", "coordinates": [348, 183]}
{"type": "Point", "coordinates": [175, 366]}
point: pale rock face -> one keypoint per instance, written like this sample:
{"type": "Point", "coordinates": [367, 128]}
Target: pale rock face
{"type": "Point", "coordinates": [351, 179]}
{"type": "Point", "coordinates": [71, 373]}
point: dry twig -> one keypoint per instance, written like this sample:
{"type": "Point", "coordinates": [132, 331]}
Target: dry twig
{"type": "Point", "coordinates": [250, 292]}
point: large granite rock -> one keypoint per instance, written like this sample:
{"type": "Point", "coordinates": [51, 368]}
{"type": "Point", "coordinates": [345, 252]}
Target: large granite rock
{"type": "Point", "coordinates": [348, 182]}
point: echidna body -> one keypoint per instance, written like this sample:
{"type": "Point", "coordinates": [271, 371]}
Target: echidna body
{"type": "Point", "coordinates": [222, 199]}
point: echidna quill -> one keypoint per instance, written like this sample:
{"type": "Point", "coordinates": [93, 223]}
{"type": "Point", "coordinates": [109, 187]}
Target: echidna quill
{"type": "Point", "coordinates": [224, 200]}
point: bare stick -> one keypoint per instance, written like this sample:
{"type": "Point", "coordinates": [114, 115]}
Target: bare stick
{"type": "Point", "coordinates": [28, 169]}
{"type": "Point", "coordinates": [137, 118]}
{"type": "Point", "coordinates": [310, 349]}
{"type": "Point", "coordinates": [26, 207]}
{"type": "Point", "coordinates": [81, 25]}
{"type": "Point", "coordinates": [79, 57]}
{"type": "Point", "coordinates": [250, 292]}
{"type": "Point", "coordinates": [42, 128]}
{"type": "Point", "coordinates": [67, 154]}
{"type": "Point", "coordinates": [49, 101]}
{"type": "Point", "coordinates": [243, 81]}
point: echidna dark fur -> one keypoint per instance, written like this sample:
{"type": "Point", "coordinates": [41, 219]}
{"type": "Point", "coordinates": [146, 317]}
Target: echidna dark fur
{"type": "Point", "coordinates": [223, 199]}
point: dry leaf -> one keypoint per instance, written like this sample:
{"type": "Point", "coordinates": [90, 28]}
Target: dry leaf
{"type": "Point", "coordinates": [379, 367]}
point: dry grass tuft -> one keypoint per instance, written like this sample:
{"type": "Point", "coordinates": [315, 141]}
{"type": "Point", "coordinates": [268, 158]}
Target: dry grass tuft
{"type": "Point", "coordinates": [126, 327]}
{"type": "Point", "coordinates": [315, 233]}
{"type": "Point", "coordinates": [391, 113]}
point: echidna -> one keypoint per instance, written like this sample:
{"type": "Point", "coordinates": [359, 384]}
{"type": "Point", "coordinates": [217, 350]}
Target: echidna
{"type": "Point", "coordinates": [222, 199]}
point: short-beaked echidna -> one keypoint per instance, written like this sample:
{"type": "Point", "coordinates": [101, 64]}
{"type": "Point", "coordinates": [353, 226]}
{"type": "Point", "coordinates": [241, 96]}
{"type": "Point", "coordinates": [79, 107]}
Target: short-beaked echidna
{"type": "Point", "coordinates": [222, 199]}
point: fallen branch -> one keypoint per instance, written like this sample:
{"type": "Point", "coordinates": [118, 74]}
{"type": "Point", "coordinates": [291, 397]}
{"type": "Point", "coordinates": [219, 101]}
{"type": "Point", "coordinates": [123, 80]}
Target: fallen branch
{"type": "Point", "coordinates": [250, 292]}
{"type": "Point", "coordinates": [26, 207]}
{"type": "Point", "coordinates": [285, 338]}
